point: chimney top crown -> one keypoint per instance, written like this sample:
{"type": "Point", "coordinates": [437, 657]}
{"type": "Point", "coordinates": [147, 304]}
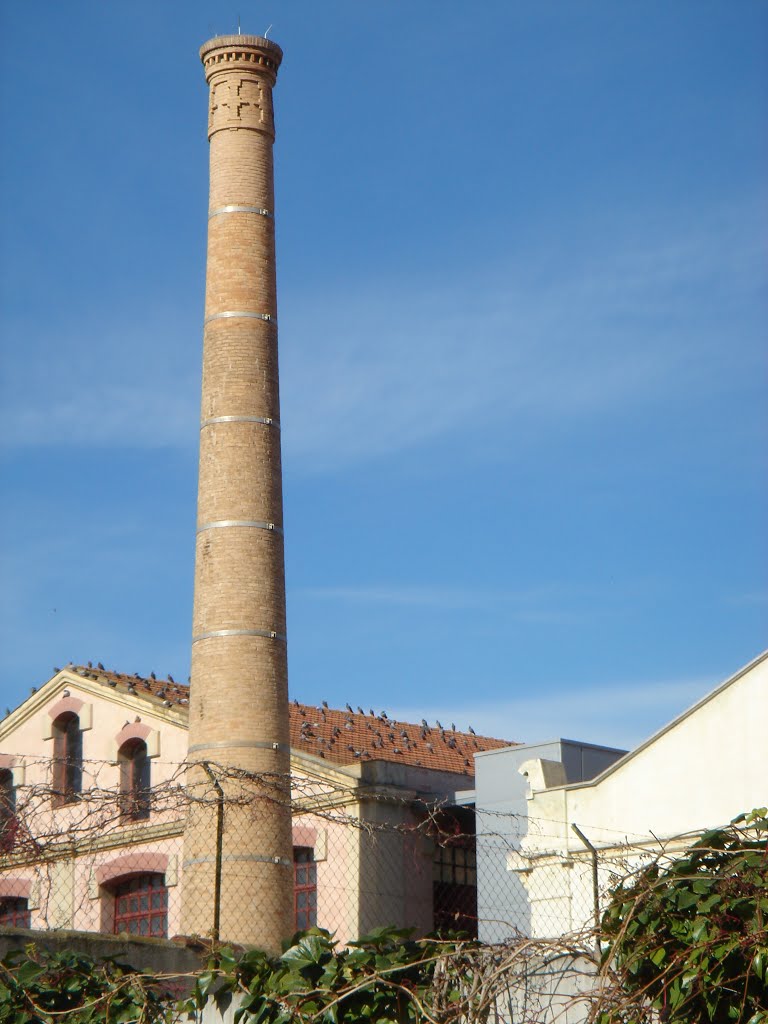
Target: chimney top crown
{"type": "Point", "coordinates": [241, 49]}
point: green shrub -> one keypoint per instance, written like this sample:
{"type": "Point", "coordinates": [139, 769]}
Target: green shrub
{"type": "Point", "coordinates": [42, 988]}
{"type": "Point", "coordinates": [691, 939]}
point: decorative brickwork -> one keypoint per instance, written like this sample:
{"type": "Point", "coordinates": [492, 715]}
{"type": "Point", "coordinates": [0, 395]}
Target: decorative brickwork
{"type": "Point", "coordinates": [239, 699]}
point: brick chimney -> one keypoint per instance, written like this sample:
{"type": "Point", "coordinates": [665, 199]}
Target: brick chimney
{"type": "Point", "coordinates": [239, 692]}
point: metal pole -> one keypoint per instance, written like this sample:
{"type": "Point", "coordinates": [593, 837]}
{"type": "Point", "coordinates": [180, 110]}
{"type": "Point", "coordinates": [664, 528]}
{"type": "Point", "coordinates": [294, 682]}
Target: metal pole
{"type": "Point", "coordinates": [219, 851]}
{"type": "Point", "coordinates": [595, 885]}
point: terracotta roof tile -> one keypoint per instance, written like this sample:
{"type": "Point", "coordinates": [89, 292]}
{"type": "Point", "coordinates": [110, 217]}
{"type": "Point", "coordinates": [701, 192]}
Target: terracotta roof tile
{"type": "Point", "coordinates": [342, 737]}
{"type": "Point", "coordinates": [348, 736]}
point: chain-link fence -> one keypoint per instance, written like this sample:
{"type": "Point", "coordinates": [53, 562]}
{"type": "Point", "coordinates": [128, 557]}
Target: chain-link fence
{"type": "Point", "coordinates": [80, 854]}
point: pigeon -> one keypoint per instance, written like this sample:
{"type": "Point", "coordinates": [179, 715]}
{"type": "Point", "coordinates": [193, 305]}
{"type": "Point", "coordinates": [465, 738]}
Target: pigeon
{"type": "Point", "coordinates": [472, 731]}
{"type": "Point", "coordinates": [438, 723]}
{"type": "Point", "coordinates": [152, 675]}
{"type": "Point", "coordinates": [349, 708]}
{"type": "Point", "coordinates": [325, 703]}
{"type": "Point", "coordinates": [99, 666]}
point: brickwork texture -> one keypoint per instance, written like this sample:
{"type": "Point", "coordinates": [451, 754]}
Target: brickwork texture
{"type": "Point", "coordinates": [239, 699]}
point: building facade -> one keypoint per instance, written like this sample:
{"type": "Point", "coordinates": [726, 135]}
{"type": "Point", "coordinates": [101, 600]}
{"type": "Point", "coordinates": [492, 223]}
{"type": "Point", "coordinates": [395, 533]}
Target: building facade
{"type": "Point", "coordinates": [96, 802]}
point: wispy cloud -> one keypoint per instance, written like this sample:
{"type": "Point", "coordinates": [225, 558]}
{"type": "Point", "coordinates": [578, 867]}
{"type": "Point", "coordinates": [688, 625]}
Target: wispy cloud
{"type": "Point", "coordinates": [622, 715]}
{"type": "Point", "coordinates": [128, 380]}
{"type": "Point", "coordinates": [523, 348]}
{"type": "Point", "coordinates": [545, 603]}
{"type": "Point", "coordinates": [375, 369]}
{"type": "Point", "coordinates": [751, 598]}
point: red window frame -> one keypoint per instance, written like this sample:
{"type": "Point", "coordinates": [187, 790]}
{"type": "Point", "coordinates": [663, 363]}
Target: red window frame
{"type": "Point", "coordinates": [67, 759]}
{"type": "Point", "coordinates": [14, 912]}
{"type": "Point", "coordinates": [9, 823]}
{"type": "Point", "coordinates": [304, 888]}
{"type": "Point", "coordinates": [134, 780]}
{"type": "Point", "coordinates": [141, 906]}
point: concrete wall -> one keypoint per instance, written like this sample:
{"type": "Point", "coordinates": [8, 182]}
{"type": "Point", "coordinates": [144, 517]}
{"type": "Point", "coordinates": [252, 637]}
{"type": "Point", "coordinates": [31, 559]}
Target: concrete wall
{"type": "Point", "coordinates": [501, 801]}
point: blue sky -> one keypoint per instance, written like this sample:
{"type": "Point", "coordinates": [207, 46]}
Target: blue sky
{"type": "Point", "coordinates": [523, 306]}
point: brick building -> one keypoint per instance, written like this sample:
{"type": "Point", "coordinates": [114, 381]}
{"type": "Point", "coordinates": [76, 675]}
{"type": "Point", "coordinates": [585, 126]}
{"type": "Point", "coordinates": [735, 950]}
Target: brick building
{"type": "Point", "coordinates": [95, 805]}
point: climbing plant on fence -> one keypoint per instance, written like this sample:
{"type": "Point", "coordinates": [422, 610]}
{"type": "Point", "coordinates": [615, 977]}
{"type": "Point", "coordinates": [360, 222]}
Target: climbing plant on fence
{"type": "Point", "coordinates": [382, 977]}
{"type": "Point", "coordinates": [690, 937]}
{"type": "Point", "coordinates": [685, 941]}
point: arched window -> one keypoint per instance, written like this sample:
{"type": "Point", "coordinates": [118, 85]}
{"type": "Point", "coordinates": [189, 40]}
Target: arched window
{"type": "Point", "coordinates": [67, 759]}
{"type": "Point", "coordinates": [134, 779]}
{"type": "Point", "coordinates": [14, 912]}
{"type": "Point", "coordinates": [7, 810]}
{"type": "Point", "coordinates": [304, 888]}
{"type": "Point", "coordinates": [141, 905]}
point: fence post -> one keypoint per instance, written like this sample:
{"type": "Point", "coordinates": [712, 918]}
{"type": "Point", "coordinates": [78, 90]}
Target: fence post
{"type": "Point", "coordinates": [595, 884]}
{"type": "Point", "coordinates": [219, 850]}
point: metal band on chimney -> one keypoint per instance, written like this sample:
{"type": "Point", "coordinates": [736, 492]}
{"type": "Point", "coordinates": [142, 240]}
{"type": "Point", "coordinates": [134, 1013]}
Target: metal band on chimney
{"type": "Point", "coordinates": [261, 858]}
{"type": "Point", "coordinates": [268, 634]}
{"type": "Point", "coordinates": [257, 524]}
{"type": "Point", "coordinates": [266, 420]}
{"type": "Point", "coordinates": [241, 209]}
{"type": "Point", "coordinates": [239, 313]}
{"type": "Point", "coordinates": [226, 744]}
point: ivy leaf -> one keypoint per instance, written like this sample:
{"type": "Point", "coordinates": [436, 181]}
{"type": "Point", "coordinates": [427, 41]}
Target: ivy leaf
{"type": "Point", "coordinates": [758, 965]}
{"type": "Point", "coordinates": [205, 981]}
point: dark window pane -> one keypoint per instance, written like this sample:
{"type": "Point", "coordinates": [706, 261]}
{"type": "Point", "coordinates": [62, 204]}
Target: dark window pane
{"type": "Point", "coordinates": [141, 912]}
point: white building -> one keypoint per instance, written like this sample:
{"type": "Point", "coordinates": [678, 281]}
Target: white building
{"type": "Point", "coordinates": [700, 771]}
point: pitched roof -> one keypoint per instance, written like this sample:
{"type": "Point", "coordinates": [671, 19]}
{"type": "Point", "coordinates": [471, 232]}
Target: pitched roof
{"type": "Point", "coordinates": [348, 736]}
{"type": "Point", "coordinates": [342, 737]}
